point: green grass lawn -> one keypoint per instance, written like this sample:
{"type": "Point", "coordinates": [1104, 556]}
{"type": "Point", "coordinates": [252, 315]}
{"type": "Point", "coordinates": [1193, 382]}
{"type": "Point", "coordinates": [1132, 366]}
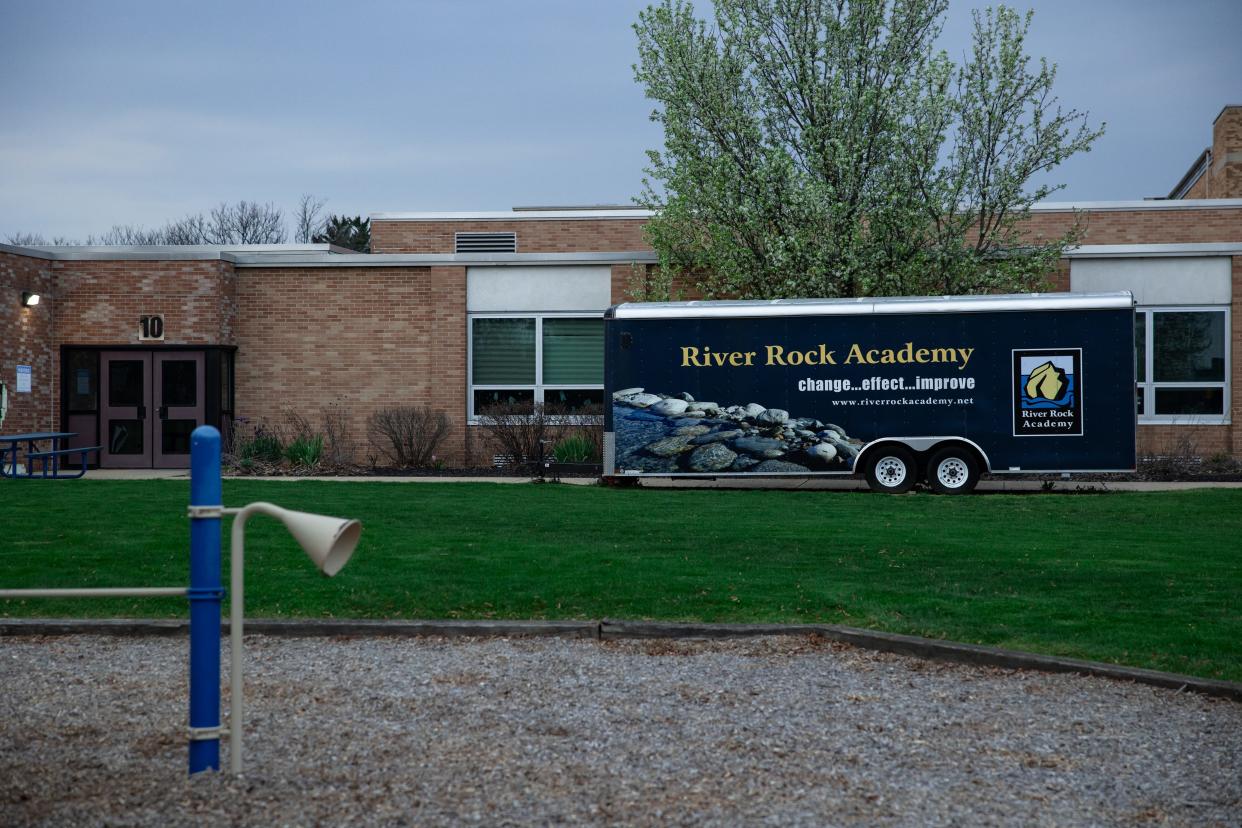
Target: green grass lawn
{"type": "Point", "coordinates": [1147, 579]}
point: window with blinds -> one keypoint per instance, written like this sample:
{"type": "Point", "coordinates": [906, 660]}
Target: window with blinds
{"type": "Point", "coordinates": [573, 351]}
{"type": "Point", "coordinates": [554, 360]}
{"type": "Point", "coordinates": [504, 351]}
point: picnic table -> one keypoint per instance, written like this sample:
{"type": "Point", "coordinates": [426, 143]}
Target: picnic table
{"type": "Point", "coordinates": [12, 442]}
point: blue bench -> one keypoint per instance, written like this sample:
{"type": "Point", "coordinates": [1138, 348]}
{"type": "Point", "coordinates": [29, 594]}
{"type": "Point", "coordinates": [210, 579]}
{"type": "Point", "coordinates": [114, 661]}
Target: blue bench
{"type": "Point", "coordinates": [54, 456]}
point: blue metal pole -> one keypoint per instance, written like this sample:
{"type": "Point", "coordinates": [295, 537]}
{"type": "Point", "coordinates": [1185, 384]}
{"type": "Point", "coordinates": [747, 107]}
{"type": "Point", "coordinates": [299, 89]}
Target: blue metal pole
{"type": "Point", "coordinates": [205, 595]}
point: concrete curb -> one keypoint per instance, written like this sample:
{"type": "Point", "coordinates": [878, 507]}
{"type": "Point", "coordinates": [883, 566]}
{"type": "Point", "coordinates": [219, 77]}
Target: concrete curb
{"type": "Point", "coordinates": [607, 630]}
{"type": "Point", "coordinates": [837, 484]}
{"type": "Point", "coordinates": [928, 648]}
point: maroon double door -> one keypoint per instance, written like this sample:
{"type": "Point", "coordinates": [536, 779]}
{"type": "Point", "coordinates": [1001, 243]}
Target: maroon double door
{"type": "Point", "coordinates": [149, 403]}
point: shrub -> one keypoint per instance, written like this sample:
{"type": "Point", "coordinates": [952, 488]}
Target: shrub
{"type": "Point", "coordinates": [305, 451]}
{"type": "Point", "coordinates": [336, 433]}
{"type": "Point", "coordinates": [407, 435]}
{"type": "Point", "coordinates": [577, 448]}
{"type": "Point", "coordinates": [1222, 462]}
{"type": "Point", "coordinates": [295, 426]}
{"type": "Point", "coordinates": [262, 446]}
{"type": "Point", "coordinates": [523, 432]}
{"type": "Point", "coordinates": [590, 421]}
{"type": "Point", "coordinates": [263, 449]}
{"type": "Point", "coordinates": [1177, 459]}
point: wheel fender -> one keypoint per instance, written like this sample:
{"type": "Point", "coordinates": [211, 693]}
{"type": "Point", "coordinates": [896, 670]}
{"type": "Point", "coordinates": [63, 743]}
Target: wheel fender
{"type": "Point", "coordinates": [921, 446]}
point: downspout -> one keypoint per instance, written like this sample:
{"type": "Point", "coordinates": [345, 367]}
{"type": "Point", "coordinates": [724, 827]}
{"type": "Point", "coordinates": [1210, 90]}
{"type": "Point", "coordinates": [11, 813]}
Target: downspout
{"type": "Point", "coordinates": [54, 352]}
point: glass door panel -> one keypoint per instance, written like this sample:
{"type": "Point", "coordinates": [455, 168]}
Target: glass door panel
{"type": "Point", "coordinates": [124, 410]}
{"type": "Point", "coordinates": [179, 405]}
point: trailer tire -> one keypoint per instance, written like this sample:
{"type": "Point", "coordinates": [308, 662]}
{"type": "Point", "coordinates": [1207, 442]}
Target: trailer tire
{"type": "Point", "coordinates": [953, 470]}
{"type": "Point", "coordinates": [891, 470]}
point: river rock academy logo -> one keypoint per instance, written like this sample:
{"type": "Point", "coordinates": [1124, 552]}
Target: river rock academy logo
{"type": "Point", "coordinates": [1047, 392]}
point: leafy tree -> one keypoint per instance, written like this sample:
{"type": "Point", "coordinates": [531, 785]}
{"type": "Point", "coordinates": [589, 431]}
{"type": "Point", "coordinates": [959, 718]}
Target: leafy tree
{"type": "Point", "coordinates": [343, 231]}
{"type": "Point", "coordinates": [827, 148]}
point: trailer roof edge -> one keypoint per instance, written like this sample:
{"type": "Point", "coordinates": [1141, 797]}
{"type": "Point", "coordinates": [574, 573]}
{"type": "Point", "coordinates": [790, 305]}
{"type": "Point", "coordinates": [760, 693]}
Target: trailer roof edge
{"type": "Point", "coordinates": [864, 306]}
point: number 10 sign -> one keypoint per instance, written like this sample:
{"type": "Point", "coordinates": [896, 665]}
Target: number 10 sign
{"type": "Point", "coordinates": [151, 327]}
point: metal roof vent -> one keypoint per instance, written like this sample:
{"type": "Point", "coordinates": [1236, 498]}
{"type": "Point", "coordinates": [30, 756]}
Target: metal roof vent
{"type": "Point", "coordinates": [485, 243]}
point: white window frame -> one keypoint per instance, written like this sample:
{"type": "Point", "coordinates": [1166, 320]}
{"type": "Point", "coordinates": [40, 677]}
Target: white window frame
{"type": "Point", "coordinates": [1148, 388]}
{"type": "Point", "coordinates": [538, 387]}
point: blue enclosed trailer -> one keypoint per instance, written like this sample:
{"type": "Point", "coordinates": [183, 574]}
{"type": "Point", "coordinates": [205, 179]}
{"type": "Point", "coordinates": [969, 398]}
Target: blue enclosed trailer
{"type": "Point", "coordinates": [899, 390]}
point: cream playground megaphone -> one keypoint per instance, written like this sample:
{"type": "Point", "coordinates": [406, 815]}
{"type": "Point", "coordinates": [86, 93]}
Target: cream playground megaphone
{"type": "Point", "coordinates": [328, 541]}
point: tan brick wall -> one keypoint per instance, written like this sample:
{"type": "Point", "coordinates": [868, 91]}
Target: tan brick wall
{"type": "Point", "coordinates": [361, 338]}
{"type": "Point", "coordinates": [1059, 282]}
{"type": "Point", "coordinates": [27, 337]}
{"type": "Point", "coordinates": [1175, 226]}
{"type": "Point", "coordinates": [1225, 175]}
{"type": "Point", "coordinates": [99, 303]}
{"type": "Point", "coordinates": [533, 235]}
{"type": "Point", "coordinates": [1180, 440]}
{"type": "Point", "coordinates": [626, 279]}
{"type": "Point", "coordinates": [623, 277]}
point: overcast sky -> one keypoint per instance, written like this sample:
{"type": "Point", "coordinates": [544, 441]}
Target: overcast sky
{"type": "Point", "coordinates": [140, 112]}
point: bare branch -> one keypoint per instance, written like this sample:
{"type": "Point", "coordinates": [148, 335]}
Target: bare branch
{"type": "Point", "coordinates": [308, 220]}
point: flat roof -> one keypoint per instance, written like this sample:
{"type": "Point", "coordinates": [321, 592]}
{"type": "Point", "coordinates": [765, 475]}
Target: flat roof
{"type": "Point", "coordinates": [1146, 204]}
{"type": "Point", "coordinates": [320, 255]}
{"type": "Point", "coordinates": [519, 214]}
{"type": "Point", "coordinates": [1097, 251]}
{"type": "Point", "coordinates": [592, 214]}
{"type": "Point", "coordinates": [165, 252]}
{"type": "Point", "coordinates": [527, 208]}
{"type": "Point", "coordinates": [445, 259]}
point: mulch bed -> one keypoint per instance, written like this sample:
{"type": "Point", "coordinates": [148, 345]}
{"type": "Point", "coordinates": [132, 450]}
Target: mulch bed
{"type": "Point", "coordinates": [259, 469]}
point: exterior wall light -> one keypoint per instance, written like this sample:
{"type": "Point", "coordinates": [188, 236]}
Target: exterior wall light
{"type": "Point", "coordinates": [29, 299]}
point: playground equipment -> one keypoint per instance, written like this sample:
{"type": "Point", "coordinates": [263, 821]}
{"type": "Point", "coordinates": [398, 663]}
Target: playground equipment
{"type": "Point", "coordinates": [328, 541]}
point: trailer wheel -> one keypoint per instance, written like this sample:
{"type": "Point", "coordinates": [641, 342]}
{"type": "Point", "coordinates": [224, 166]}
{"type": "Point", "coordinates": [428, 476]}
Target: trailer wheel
{"type": "Point", "coordinates": [891, 470]}
{"type": "Point", "coordinates": [953, 470]}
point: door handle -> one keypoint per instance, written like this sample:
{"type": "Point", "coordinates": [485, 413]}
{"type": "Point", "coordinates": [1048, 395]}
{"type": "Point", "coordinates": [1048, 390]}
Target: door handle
{"type": "Point", "coordinates": [163, 412]}
{"type": "Point", "coordinates": [142, 412]}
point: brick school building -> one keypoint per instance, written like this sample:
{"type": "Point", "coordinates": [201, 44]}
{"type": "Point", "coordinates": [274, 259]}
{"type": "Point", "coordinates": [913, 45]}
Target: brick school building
{"type": "Point", "coordinates": [133, 347]}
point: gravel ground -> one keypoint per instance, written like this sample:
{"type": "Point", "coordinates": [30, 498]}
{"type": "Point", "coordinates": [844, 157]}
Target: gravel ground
{"type": "Point", "coordinates": [779, 731]}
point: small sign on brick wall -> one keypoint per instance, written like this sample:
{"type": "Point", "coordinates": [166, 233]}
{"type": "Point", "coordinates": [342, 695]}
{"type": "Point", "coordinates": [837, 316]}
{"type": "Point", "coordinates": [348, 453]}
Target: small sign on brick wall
{"type": "Point", "coordinates": [151, 328]}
